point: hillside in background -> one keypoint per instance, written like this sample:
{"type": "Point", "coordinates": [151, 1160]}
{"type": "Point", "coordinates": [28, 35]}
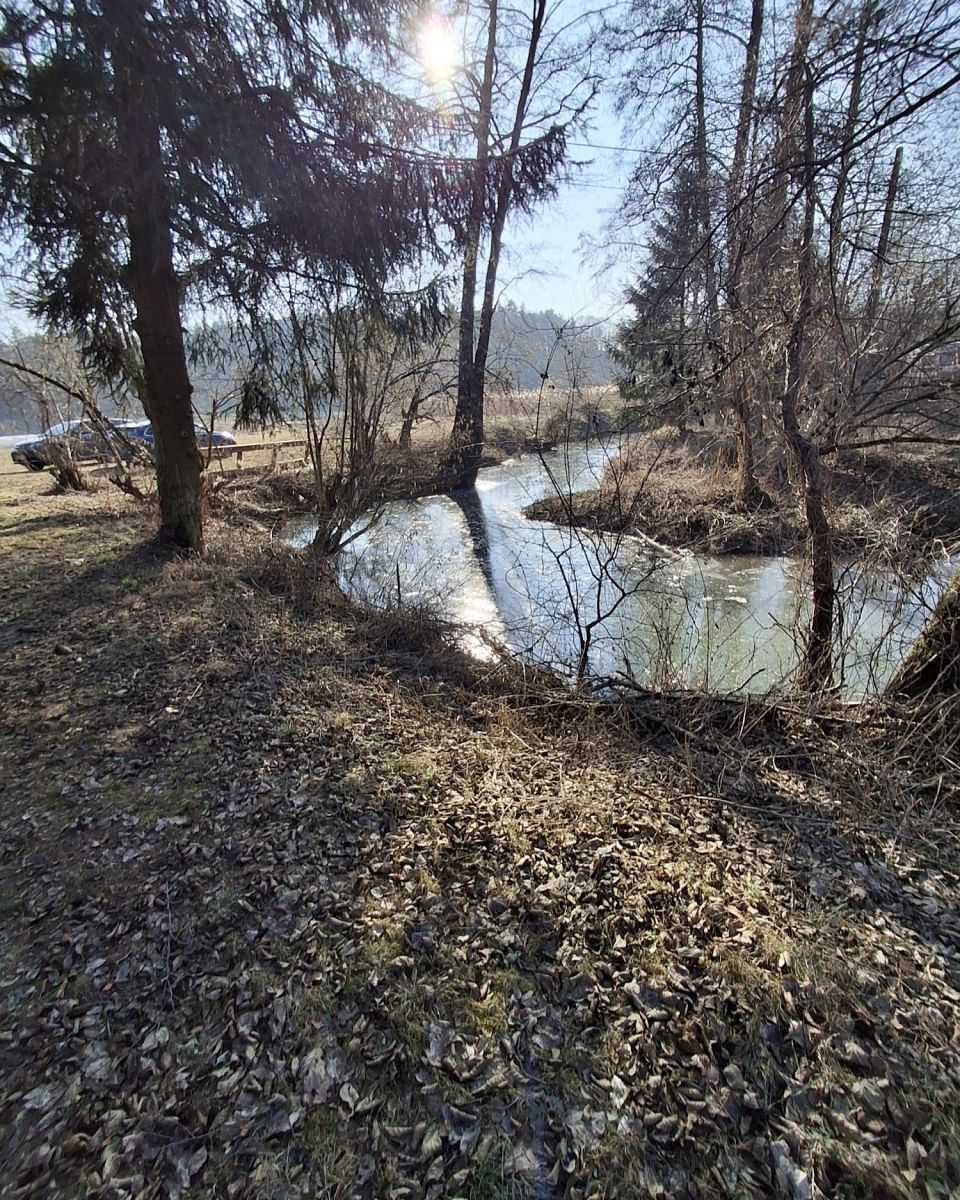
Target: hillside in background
{"type": "Point", "coordinates": [526, 344]}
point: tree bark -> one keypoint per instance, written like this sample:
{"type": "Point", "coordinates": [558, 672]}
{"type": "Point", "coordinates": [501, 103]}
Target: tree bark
{"type": "Point", "coordinates": [153, 283]}
{"type": "Point", "coordinates": [66, 472]}
{"type": "Point", "coordinates": [466, 439]}
{"type": "Point", "coordinates": [405, 439]}
{"type": "Point", "coordinates": [883, 244]}
{"type": "Point", "coordinates": [836, 229]}
{"type": "Point", "coordinates": [817, 667]}
{"type": "Point", "coordinates": [704, 214]}
{"type": "Point", "coordinates": [932, 665]}
{"type": "Point", "coordinates": [849, 130]}
{"type": "Point", "coordinates": [748, 489]}
{"type": "Point", "coordinates": [503, 199]}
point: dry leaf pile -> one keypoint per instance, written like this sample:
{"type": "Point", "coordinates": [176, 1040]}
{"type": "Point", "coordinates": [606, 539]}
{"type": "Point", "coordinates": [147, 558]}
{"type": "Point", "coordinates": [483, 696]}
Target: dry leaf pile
{"type": "Point", "coordinates": [286, 914]}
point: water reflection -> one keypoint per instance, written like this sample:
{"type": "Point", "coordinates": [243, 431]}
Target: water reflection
{"type": "Point", "coordinates": [556, 594]}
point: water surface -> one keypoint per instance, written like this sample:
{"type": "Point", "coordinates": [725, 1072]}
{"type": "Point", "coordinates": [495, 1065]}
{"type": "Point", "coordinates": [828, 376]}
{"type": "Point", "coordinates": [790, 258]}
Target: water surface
{"type": "Point", "coordinates": [557, 595]}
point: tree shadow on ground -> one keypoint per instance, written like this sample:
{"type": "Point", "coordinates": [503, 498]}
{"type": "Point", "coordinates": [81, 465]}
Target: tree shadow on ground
{"type": "Point", "coordinates": [415, 923]}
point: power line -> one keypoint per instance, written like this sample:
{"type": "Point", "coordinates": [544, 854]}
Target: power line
{"type": "Point", "coordinates": [600, 146]}
{"type": "Point", "coordinates": [597, 187]}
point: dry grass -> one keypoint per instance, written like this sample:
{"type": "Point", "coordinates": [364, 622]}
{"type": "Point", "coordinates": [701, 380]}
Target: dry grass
{"type": "Point", "coordinates": [682, 493]}
{"type": "Point", "coordinates": [538, 945]}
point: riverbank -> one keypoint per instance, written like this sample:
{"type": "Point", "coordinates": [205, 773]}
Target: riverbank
{"type": "Point", "coordinates": [681, 492]}
{"type": "Point", "coordinates": [298, 902]}
{"type": "Point", "coordinates": [275, 484]}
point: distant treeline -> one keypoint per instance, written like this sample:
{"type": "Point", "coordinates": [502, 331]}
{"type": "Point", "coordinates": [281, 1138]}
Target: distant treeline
{"type": "Point", "coordinates": [525, 346]}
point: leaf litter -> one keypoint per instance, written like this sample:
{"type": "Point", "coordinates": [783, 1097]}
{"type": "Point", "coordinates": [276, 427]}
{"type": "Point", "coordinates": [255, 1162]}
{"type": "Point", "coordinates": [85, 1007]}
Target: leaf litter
{"type": "Point", "coordinates": [287, 913]}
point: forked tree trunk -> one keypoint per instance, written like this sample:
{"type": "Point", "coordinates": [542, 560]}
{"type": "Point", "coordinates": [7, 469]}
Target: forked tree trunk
{"type": "Point", "coordinates": [466, 439]}
{"type": "Point", "coordinates": [932, 665]}
{"type": "Point", "coordinates": [405, 439]}
{"type": "Point", "coordinates": [153, 283]}
{"type": "Point", "coordinates": [504, 189]}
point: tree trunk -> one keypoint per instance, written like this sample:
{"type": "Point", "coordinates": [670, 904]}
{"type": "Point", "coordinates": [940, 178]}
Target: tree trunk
{"type": "Point", "coordinates": [932, 665]}
{"type": "Point", "coordinates": [818, 655]}
{"type": "Point", "coordinates": [466, 439]}
{"type": "Point", "coordinates": [704, 214]}
{"type": "Point", "coordinates": [883, 245]}
{"type": "Point", "coordinates": [748, 489]}
{"type": "Point", "coordinates": [406, 428]}
{"type": "Point", "coordinates": [65, 470]}
{"type": "Point", "coordinates": [836, 230]}
{"type": "Point", "coordinates": [503, 202]}
{"type": "Point", "coordinates": [847, 135]}
{"type": "Point", "coordinates": [153, 282]}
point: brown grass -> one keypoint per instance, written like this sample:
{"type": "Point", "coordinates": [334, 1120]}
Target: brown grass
{"type": "Point", "coordinates": [640, 949]}
{"type": "Point", "coordinates": [682, 493]}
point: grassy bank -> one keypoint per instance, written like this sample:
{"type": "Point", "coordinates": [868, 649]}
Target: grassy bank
{"type": "Point", "coordinates": [298, 902]}
{"type": "Point", "coordinates": [682, 493]}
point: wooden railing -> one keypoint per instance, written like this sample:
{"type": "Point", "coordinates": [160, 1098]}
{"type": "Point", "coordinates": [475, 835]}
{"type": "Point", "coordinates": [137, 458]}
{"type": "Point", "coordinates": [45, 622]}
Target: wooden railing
{"type": "Point", "coordinates": [213, 454]}
{"type": "Point", "coordinates": [219, 453]}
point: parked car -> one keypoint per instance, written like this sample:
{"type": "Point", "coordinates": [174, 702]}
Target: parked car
{"type": "Point", "coordinates": [86, 442]}
{"type": "Point", "coordinates": [214, 437]}
{"type": "Point", "coordinates": [219, 437]}
{"type": "Point", "coordinates": [29, 453]}
{"type": "Point", "coordinates": [33, 452]}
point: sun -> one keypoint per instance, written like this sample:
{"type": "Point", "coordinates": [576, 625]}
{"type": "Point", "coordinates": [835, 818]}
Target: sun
{"type": "Point", "coordinates": [438, 51]}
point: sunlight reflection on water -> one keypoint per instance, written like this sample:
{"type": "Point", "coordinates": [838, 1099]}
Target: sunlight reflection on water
{"type": "Point", "coordinates": [723, 624]}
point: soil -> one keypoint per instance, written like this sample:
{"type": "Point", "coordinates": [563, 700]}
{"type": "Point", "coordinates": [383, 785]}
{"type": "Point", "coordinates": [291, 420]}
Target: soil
{"type": "Point", "coordinates": [298, 901]}
{"type": "Point", "coordinates": [677, 492]}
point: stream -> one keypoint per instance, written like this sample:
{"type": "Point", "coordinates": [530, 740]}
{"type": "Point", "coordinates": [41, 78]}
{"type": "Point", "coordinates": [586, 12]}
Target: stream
{"type": "Point", "coordinates": [546, 591]}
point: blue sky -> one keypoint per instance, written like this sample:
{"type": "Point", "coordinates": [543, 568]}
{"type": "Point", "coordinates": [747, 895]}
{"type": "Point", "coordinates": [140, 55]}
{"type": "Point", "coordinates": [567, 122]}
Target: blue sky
{"type": "Point", "coordinates": [545, 260]}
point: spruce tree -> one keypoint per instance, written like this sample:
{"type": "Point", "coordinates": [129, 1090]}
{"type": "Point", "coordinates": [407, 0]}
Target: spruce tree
{"type": "Point", "coordinates": [159, 153]}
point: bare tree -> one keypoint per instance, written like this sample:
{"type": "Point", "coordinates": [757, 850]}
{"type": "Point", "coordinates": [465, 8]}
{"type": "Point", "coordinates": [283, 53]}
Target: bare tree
{"type": "Point", "coordinates": [830, 337]}
{"type": "Point", "coordinates": [536, 82]}
{"type": "Point", "coordinates": [339, 363]}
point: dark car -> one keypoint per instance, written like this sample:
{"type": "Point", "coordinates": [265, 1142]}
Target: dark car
{"type": "Point", "coordinates": [36, 453]}
{"type": "Point", "coordinates": [219, 437]}
{"type": "Point", "coordinates": [29, 454]}
{"type": "Point", "coordinates": [84, 441]}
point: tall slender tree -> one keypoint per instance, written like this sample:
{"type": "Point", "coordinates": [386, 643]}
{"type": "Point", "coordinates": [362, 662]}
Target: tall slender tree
{"type": "Point", "coordinates": [532, 88]}
{"type": "Point", "coordinates": [738, 215]}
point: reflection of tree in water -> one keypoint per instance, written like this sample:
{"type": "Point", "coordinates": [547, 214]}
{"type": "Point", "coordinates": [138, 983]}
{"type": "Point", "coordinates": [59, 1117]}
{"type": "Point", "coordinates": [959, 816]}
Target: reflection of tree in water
{"type": "Point", "coordinates": [469, 503]}
{"type": "Point", "coordinates": [535, 624]}
{"type": "Point", "coordinates": [542, 589]}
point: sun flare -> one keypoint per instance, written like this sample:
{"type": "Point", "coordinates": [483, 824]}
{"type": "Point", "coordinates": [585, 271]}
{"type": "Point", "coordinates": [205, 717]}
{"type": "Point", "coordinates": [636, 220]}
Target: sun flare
{"type": "Point", "coordinates": [438, 51]}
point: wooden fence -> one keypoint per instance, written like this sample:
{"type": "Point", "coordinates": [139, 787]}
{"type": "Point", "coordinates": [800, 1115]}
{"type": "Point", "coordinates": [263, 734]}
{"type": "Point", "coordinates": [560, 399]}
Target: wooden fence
{"type": "Point", "coordinates": [220, 453]}
{"type": "Point", "coordinates": [213, 454]}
